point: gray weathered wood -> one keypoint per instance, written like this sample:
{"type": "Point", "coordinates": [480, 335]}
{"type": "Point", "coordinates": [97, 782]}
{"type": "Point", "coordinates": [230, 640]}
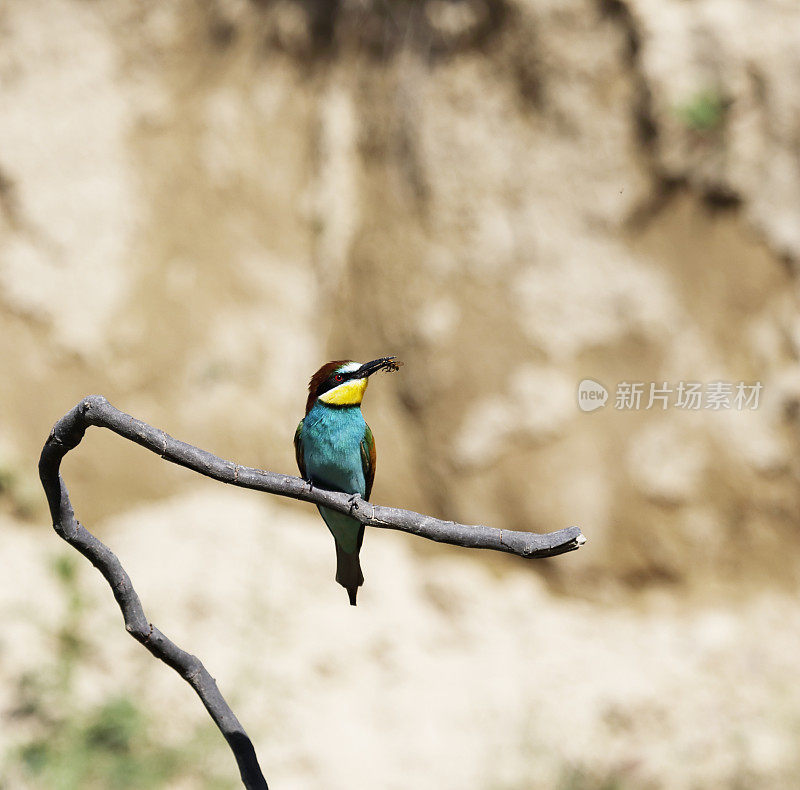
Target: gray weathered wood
{"type": "Point", "coordinates": [96, 410]}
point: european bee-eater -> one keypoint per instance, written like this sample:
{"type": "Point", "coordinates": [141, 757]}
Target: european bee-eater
{"type": "Point", "coordinates": [335, 449]}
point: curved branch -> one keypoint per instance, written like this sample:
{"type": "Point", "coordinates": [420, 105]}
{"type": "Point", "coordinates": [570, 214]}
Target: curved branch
{"type": "Point", "coordinates": [66, 435]}
{"type": "Point", "coordinates": [96, 410]}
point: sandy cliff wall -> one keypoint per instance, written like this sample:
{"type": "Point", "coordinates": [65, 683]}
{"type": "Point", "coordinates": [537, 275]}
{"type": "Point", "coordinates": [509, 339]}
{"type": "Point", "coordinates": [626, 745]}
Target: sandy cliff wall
{"type": "Point", "coordinates": [201, 202]}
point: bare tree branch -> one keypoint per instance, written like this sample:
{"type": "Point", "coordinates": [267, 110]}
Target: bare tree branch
{"type": "Point", "coordinates": [67, 434]}
{"type": "Point", "coordinates": [96, 410]}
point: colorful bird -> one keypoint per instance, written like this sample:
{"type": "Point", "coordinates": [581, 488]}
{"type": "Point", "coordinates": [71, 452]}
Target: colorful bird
{"type": "Point", "coordinates": [335, 450]}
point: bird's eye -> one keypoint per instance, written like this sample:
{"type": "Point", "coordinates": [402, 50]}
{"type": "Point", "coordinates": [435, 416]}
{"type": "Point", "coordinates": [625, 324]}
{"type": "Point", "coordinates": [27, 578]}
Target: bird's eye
{"type": "Point", "coordinates": [338, 377]}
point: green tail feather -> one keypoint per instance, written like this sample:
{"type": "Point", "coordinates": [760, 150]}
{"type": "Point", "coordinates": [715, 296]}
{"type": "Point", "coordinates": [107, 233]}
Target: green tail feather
{"type": "Point", "coordinates": [348, 572]}
{"type": "Point", "coordinates": [348, 535]}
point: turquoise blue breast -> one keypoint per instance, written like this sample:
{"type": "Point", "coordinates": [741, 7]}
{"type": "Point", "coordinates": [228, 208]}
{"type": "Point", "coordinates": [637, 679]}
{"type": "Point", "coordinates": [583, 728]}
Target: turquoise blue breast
{"type": "Point", "coordinates": [331, 440]}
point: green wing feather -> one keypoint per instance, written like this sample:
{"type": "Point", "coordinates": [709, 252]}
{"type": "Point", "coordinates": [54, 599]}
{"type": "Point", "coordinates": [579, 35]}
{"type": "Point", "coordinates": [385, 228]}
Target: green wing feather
{"type": "Point", "coordinates": [368, 460]}
{"type": "Point", "coordinates": [298, 450]}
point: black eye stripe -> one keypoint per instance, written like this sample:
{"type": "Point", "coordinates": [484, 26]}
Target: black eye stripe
{"type": "Point", "coordinates": [332, 381]}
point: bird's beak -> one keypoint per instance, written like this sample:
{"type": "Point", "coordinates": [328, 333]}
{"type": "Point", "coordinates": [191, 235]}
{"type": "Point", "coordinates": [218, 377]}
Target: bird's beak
{"type": "Point", "coordinates": [384, 363]}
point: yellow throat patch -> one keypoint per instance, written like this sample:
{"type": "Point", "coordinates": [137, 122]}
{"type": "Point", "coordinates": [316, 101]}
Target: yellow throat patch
{"type": "Point", "coordinates": [351, 393]}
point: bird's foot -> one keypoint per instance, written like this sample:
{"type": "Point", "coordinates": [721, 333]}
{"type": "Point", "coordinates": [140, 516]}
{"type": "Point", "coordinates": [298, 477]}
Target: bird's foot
{"type": "Point", "coordinates": [353, 501]}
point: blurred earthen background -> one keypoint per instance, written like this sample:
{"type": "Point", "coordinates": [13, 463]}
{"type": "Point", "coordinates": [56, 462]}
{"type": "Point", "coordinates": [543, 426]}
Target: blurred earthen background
{"type": "Point", "coordinates": [201, 202]}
